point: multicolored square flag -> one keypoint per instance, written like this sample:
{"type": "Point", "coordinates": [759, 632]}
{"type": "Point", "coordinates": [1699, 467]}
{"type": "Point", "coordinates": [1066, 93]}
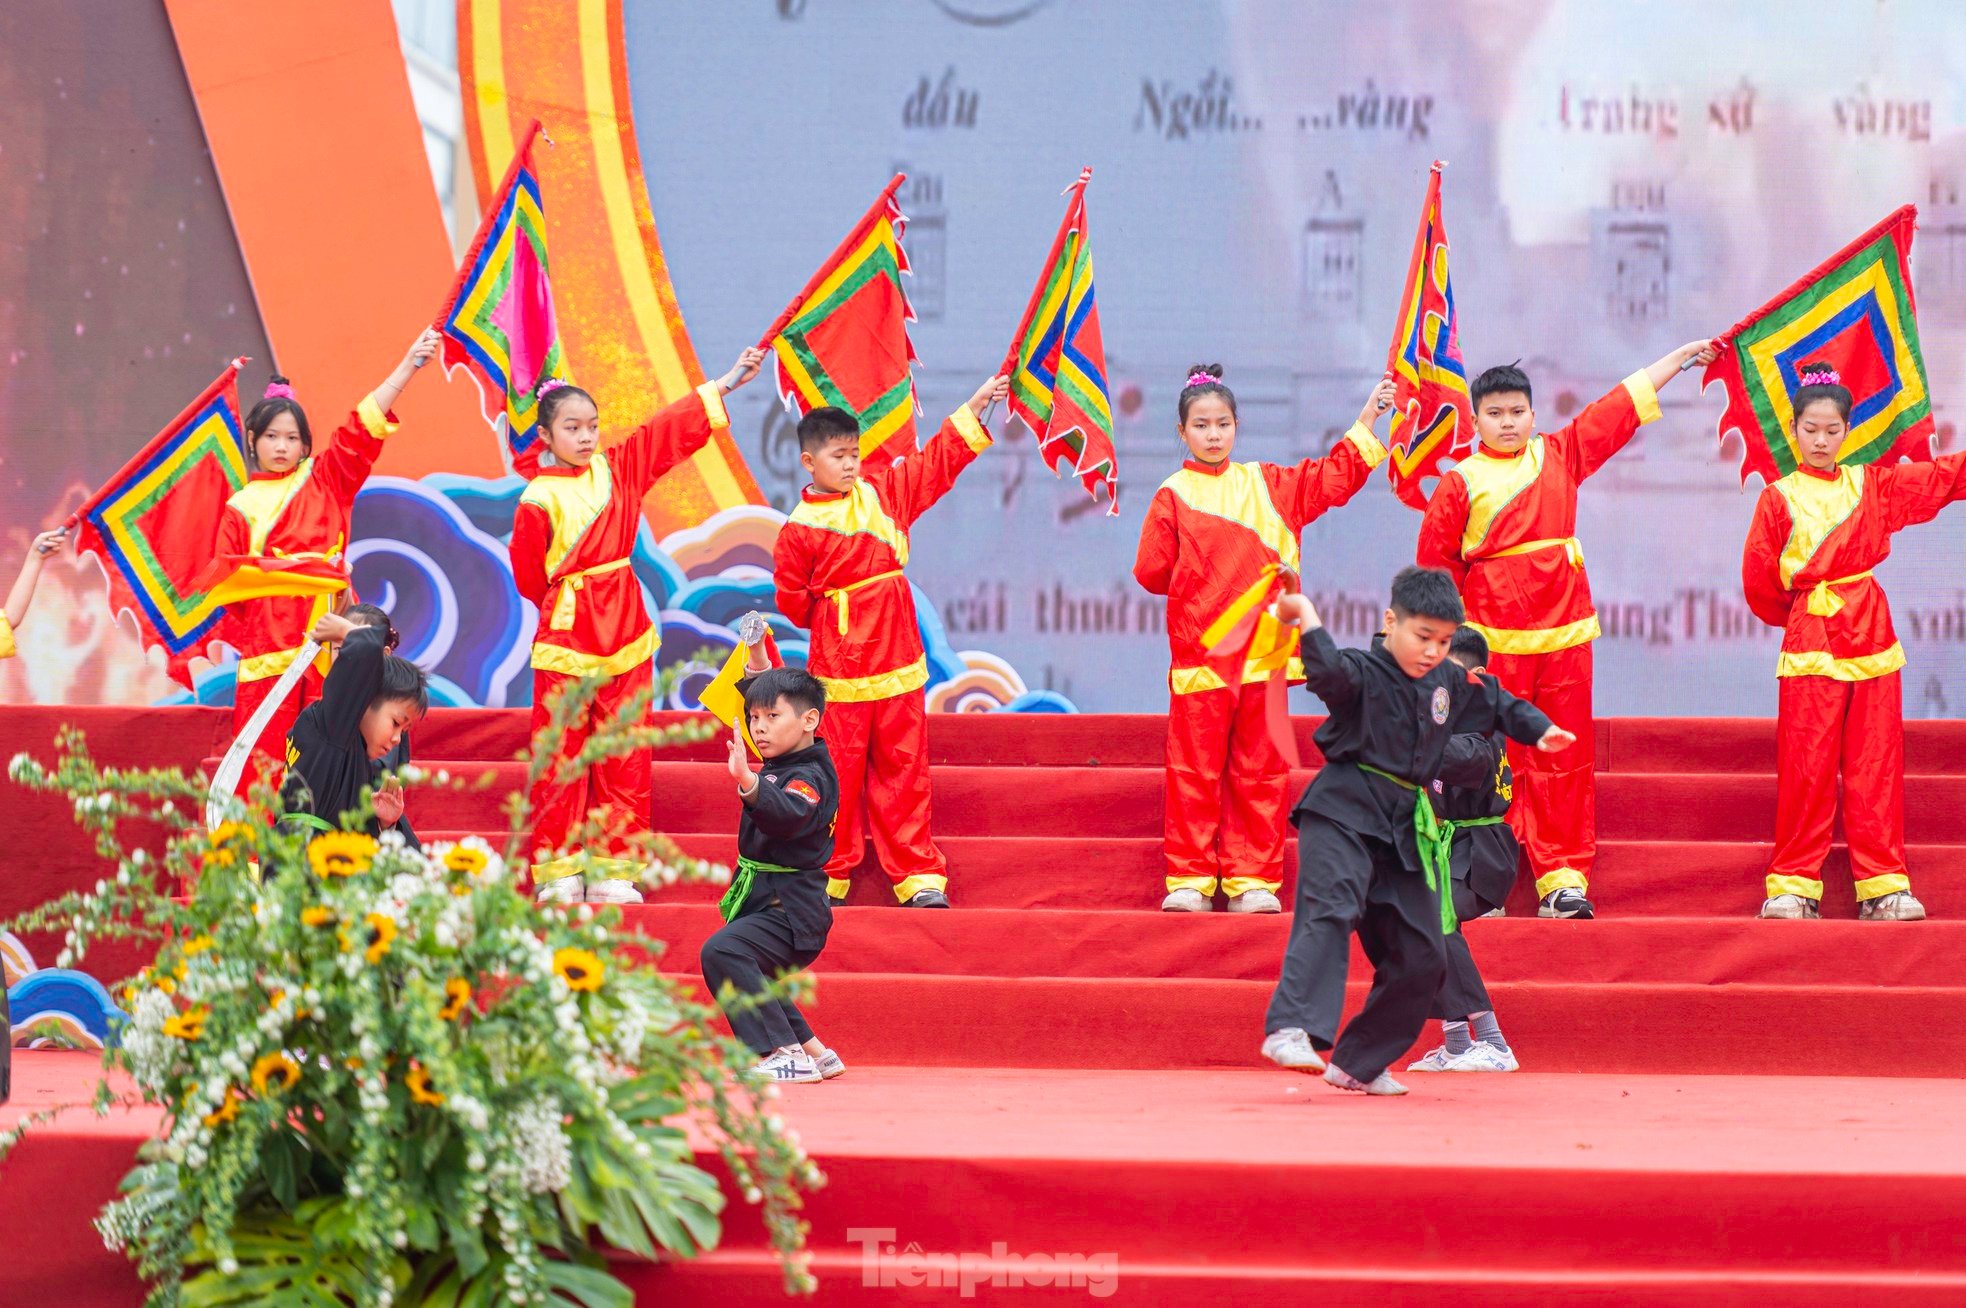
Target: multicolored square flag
{"type": "Point", "coordinates": [1854, 312]}
{"type": "Point", "coordinates": [1057, 362]}
{"type": "Point", "coordinates": [152, 525]}
{"type": "Point", "coordinates": [843, 340]}
{"type": "Point", "coordinates": [499, 323]}
{"type": "Point", "coordinates": [1432, 420]}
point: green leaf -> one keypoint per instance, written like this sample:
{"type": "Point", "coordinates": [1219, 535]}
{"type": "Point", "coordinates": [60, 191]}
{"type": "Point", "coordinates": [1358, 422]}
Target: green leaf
{"type": "Point", "coordinates": [587, 1286]}
{"type": "Point", "coordinates": [276, 1161]}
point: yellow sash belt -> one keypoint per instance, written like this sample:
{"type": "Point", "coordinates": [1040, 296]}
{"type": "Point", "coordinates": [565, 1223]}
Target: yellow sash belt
{"type": "Point", "coordinates": [1568, 544]}
{"type": "Point", "coordinates": [1824, 602]}
{"type": "Point", "coordinates": [842, 592]}
{"type": "Point", "coordinates": [570, 586]}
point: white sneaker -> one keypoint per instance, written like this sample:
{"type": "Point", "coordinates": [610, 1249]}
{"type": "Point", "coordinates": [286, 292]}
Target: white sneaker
{"type": "Point", "coordinates": [1434, 1060]}
{"type": "Point", "coordinates": [1497, 911]}
{"type": "Point", "coordinates": [1187, 901]}
{"type": "Point", "coordinates": [1483, 1057]}
{"type": "Point", "coordinates": [789, 1063]}
{"type": "Point", "coordinates": [614, 890]}
{"type": "Point", "coordinates": [1382, 1084]}
{"type": "Point", "coordinates": [1898, 906]}
{"type": "Point", "coordinates": [1258, 900]}
{"type": "Point", "coordinates": [1792, 907]}
{"type": "Point", "coordinates": [560, 890]}
{"type": "Point", "coordinates": [1291, 1048]}
{"type": "Point", "coordinates": [829, 1065]}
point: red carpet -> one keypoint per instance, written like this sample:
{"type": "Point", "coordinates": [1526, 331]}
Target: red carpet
{"type": "Point", "coordinates": [1250, 1187]}
{"type": "Point", "coordinates": [1056, 1067]}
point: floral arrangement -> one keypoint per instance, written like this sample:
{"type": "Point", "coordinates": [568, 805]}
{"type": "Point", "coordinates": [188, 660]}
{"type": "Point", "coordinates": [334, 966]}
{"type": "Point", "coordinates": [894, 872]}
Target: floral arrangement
{"type": "Point", "coordinates": [389, 1078]}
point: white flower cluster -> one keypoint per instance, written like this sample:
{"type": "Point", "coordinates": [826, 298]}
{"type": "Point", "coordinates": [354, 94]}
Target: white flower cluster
{"type": "Point", "coordinates": [151, 1053]}
{"type": "Point", "coordinates": [544, 1153]}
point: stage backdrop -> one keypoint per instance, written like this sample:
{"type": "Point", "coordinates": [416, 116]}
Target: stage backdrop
{"type": "Point", "coordinates": [1620, 179]}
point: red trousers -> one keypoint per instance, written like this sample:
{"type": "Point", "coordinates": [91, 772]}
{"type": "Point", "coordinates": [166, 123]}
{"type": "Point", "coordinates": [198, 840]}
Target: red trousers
{"type": "Point", "coordinates": [880, 749]}
{"type": "Point", "coordinates": [1226, 790]}
{"type": "Point", "coordinates": [619, 787]}
{"type": "Point", "coordinates": [1555, 808]}
{"type": "Point", "coordinates": [269, 759]}
{"type": "Point", "coordinates": [1824, 723]}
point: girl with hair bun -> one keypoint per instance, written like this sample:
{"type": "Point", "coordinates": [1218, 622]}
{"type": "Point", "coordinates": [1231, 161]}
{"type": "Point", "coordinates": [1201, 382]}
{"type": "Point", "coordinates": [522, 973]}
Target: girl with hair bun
{"type": "Point", "coordinates": [1212, 531]}
{"type": "Point", "coordinates": [573, 541]}
{"type": "Point", "coordinates": [1816, 535]}
{"type": "Point", "coordinates": [296, 506]}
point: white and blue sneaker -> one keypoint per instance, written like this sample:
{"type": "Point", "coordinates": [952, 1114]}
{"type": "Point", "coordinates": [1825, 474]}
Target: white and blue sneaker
{"type": "Point", "coordinates": [1482, 1057]}
{"type": "Point", "coordinates": [788, 1063]}
{"type": "Point", "coordinates": [1382, 1084]}
{"type": "Point", "coordinates": [829, 1065]}
{"type": "Point", "coordinates": [1434, 1060]}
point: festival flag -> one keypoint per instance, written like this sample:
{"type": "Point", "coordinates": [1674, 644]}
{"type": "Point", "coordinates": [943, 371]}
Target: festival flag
{"type": "Point", "coordinates": [1854, 312]}
{"type": "Point", "coordinates": [723, 700]}
{"type": "Point", "coordinates": [151, 525]}
{"type": "Point", "coordinates": [1246, 635]}
{"type": "Point", "coordinates": [498, 323]}
{"type": "Point", "coordinates": [843, 340]}
{"type": "Point", "coordinates": [1057, 362]}
{"type": "Point", "coordinates": [1432, 420]}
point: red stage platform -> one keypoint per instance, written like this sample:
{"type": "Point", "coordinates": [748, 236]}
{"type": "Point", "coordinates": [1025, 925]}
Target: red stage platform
{"type": "Point", "coordinates": [1056, 1068]}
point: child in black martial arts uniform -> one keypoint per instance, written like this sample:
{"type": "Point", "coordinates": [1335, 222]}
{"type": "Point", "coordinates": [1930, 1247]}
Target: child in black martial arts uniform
{"type": "Point", "coordinates": [1474, 792]}
{"type": "Point", "coordinates": [368, 701]}
{"type": "Point", "coordinates": [776, 913]}
{"type": "Point", "coordinates": [1369, 856]}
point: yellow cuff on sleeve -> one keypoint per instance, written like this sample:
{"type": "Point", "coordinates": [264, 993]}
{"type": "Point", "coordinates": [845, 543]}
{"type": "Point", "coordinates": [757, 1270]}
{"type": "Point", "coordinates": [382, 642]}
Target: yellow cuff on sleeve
{"type": "Point", "coordinates": [713, 405]}
{"type": "Point", "coordinates": [973, 432]}
{"type": "Point", "coordinates": [1644, 397]}
{"type": "Point", "coordinates": [378, 423]}
{"type": "Point", "coordinates": [1368, 445]}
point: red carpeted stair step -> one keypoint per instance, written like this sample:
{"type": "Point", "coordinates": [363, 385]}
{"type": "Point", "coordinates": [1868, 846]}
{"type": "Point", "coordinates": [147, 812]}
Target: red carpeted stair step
{"type": "Point", "coordinates": [1237, 947]}
{"type": "Point", "coordinates": [994, 801]}
{"type": "Point", "coordinates": [928, 1020]}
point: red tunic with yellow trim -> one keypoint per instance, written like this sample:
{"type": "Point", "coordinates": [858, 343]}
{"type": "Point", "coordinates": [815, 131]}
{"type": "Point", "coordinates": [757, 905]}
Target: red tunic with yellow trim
{"type": "Point", "coordinates": [1213, 528]}
{"type": "Point", "coordinates": [573, 539]}
{"type": "Point", "coordinates": [302, 514]}
{"type": "Point", "coordinates": [1505, 526]}
{"type": "Point", "coordinates": [838, 567]}
{"type": "Point", "coordinates": [1810, 550]}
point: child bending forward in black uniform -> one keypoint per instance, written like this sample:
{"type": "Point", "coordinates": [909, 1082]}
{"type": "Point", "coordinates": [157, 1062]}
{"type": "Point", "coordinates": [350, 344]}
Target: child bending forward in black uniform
{"type": "Point", "coordinates": [776, 914]}
{"type": "Point", "coordinates": [1369, 857]}
{"type": "Point", "coordinates": [368, 701]}
{"type": "Point", "coordinates": [1475, 789]}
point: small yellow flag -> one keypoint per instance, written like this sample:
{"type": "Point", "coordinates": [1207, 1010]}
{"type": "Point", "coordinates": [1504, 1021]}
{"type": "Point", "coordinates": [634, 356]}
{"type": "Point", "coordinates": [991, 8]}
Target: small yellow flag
{"type": "Point", "coordinates": [724, 701]}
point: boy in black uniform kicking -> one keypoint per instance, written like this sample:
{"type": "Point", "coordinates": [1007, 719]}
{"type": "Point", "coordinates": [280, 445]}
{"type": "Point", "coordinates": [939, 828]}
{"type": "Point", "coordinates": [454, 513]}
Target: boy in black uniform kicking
{"type": "Point", "coordinates": [1475, 789]}
{"type": "Point", "coordinates": [369, 699]}
{"type": "Point", "coordinates": [1370, 856]}
{"type": "Point", "coordinates": [776, 914]}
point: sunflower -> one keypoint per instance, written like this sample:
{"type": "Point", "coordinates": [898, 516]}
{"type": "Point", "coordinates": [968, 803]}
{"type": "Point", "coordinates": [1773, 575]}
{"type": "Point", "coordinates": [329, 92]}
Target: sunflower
{"type": "Point", "coordinates": [275, 1072]}
{"type": "Point", "coordinates": [457, 994]}
{"type": "Point", "coordinates": [341, 853]}
{"type": "Point", "coordinates": [227, 833]}
{"type": "Point", "coordinates": [197, 945]}
{"type": "Point", "coordinates": [580, 969]}
{"type": "Point", "coordinates": [419, 1083]}
{"type": "Point", "coordinates": [318, 915]}
{"type": "Point", "coordinates": [229, 1109]}
{"type": "Point", "coordinates": [188, 1025]}
{"type": "Point", "coordinates": [382, 930]}
{"type": "Point", "coordinates": [465, 861]}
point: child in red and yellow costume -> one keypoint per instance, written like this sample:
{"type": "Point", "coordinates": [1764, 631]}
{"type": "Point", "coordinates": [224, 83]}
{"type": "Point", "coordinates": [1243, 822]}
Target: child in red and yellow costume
{"type": "Point", "coordinates": [838, 572]}
{"type": "Point", "coordinates": [22, 594]}
{"type": "Point", "coordinates": [1503, 523]}
{"type": "Point", "coordinates": [288, 527]}
{"type": "Point", "coordinates": [1214, 530]}
{"type": "Point", "coordinates": [572, 548]}
{"type": "Point", "coordinates": [1816, 535]}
